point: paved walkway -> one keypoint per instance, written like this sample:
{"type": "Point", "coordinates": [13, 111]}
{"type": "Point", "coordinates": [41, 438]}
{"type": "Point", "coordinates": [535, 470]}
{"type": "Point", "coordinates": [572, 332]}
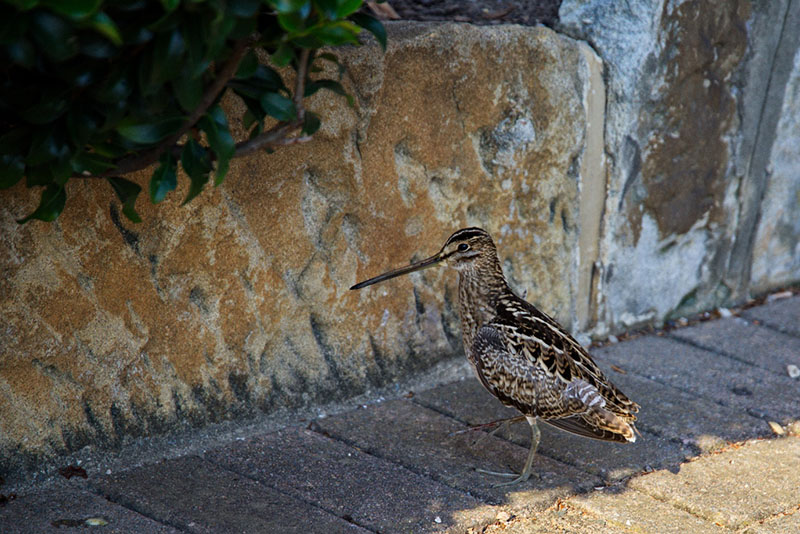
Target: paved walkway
{"type": "Point", "coordinates": [708, 460]}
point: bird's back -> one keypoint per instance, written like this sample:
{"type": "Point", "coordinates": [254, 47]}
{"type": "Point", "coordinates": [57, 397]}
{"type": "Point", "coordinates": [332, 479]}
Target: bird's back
{"type": "Point", "coordinates": [526, 359]}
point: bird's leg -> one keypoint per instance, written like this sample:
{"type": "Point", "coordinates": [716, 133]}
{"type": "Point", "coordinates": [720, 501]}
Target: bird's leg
{"type": "Point", "coordinates": [526, 471]}
{"type": "Point", "coordinates": [501, 424]}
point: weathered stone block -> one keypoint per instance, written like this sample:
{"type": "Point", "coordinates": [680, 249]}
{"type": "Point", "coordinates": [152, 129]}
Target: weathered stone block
{"type": "Point", "coordinates": [630, 509]}
{"type": "Point", "coordinates": [198, 496]}
{"type": "Point", "coordinates": [439, 447]}
{"type": "Point", "coordinates": [697, 113]}
{"type": "Point", "coordinates": [67, 509]}
{"type": "Point", "coordinates": [240, 302]}
{"type": "Point", "coordinates": [374, 493]}
{"type": "Point", "coordinates": [733, 497]}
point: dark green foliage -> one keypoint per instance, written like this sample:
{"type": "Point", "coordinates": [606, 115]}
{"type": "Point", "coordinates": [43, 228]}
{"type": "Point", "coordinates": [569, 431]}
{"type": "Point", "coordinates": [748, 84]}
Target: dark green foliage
{"type": "Point", "coordinates": [101, 88]}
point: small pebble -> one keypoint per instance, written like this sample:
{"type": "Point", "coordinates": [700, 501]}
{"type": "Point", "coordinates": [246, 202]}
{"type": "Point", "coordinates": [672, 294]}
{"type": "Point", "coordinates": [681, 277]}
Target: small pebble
{"type": "Point", "coordinates": [779, 296]}
{"type": "Point", "coordinates": [777, 428]}
{"type": "Point", "coordinates": [108, 471]}
{"type": "Point", "coordinates": [503, 516]}
{"type": "Point", "coordinates": [437, 519]}
{"type": "Point", "coordinates": [793, 370]}
{"type": "Point", "coordinates": [613, 339]}
{"type": "Point", "coordinates": [725, 313]}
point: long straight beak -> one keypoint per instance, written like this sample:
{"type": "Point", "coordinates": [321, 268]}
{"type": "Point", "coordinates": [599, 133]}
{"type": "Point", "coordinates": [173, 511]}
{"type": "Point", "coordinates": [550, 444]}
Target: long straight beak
{"type": "Point", "coordinates": [424, 264]}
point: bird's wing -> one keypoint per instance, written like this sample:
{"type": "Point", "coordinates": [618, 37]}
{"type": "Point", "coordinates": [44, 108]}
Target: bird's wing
{"type": "Point", "coordinates": [517, 380]}
{"type": "Point", "coordinates": [538, 337]}
{"type": "Point", "coordinates": [576, 406]}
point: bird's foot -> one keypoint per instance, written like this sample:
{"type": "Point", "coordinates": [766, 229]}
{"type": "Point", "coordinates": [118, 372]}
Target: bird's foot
{"type": "Point", "coordinates": [518, 478]}
{"type": "Point", "coordinates": [496, 425]}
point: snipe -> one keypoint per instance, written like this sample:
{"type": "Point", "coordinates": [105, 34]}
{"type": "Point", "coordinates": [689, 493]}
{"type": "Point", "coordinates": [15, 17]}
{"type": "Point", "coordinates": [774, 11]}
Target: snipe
{"type": "Point", "coordinates": [523, 356]}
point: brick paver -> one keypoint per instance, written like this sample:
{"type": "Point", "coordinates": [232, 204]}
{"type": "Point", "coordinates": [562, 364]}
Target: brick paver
{"type": "Point", "coordinates": [746, 342]}
{"type": "Point", "coordinates": [735, 488]}
{"type": "Point", "coordinates": [719, 378]}
{"type": "Point", "coordinates": [424, 441]}
{"type": "Point", "coordinates": [631, 509]}
{"type": "Point", "coordinates": [468, 401]}
{"type": "Point", "coordinates": [675, 414]}
{"type": "Point", "coordinates": [197, 496]}
{"type": "Point", "coordinates": [403, 466]}
{"type": "Point", "coordinates": [351, 484]}
{"type": "Point", "coordinates": [67, 509]}
{"type": "Point", "coordinates": [782, 315]}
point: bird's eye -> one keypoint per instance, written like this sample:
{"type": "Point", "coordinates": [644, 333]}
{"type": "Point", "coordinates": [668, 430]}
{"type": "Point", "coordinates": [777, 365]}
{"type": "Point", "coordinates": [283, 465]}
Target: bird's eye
{"type": "Point", "coordinates": [463, 247]}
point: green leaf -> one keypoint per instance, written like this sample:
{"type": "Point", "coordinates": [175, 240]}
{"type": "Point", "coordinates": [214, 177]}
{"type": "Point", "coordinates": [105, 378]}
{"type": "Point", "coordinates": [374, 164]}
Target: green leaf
{"type": "Point", "coordinates": [337, 33]}
{"type": "Point", "coordinates": [54, 36]}
{"type": "Point", "coordinates": [372, 25]}
{"type": "Point", "coordinates": [162, 62]}
{"type": "Point", "coordinates": [117, 87]}
{"type": "Point", "coordinates": [22, 53]}
{"type": "Point", "coordinates": [74, 9]}
{"type": "Point", "coordinates": [103, 24]}
{"type": "Point", "coordinates": [347, 7]}
{"type": "Point", "coordinates": [189, 91]}
{"type": "Point", "coordinates": [170, 5]}
{"type": "Point", "coordinates": [46, 145]}
{"type": "Point", "coordinates": [289, 6]}
{"type": "Point", "coordinates": [165, 178]}
{"type": "Point", "coordinates": [196, 163]}
{"type": "Point", "coordinates": [146, 133]}
{"type": "Point", "coordinates": [278, 106]}
{"type": "Point", "coordinates": [12, 168]}
{"type": "Point", "coordinates": [330, 85]}
{"type": "Point", "coordinates": [127, 192]}
{"type": "Point", "coordinates": [248, 119]}
{"type": "Point", "coordinates": [283, 55]}
{"type": "Point", "coordinates": [24, 5]}
{"type": "Point", "coordinates": [291, 22]}
{"type": "Point", "coordinates": [248, 65]}
{"type": "Point", "coordinates": [215, 125]}
{"type": "Point", "coordinates": [48, 109]}
{"type": "Point", "coordinates": [90, 162]}
{"type": "Point", "coordinates": [244, 8]}
{"type": "Point", "coordinates": [327, 8]}
{"type": "Point", "coordinates": [50, 206]}
{"type": "Point", "coordinates": [311, 123]}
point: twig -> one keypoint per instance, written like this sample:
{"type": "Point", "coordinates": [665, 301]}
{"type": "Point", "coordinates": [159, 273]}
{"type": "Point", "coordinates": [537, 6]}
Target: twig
{"type": "Point", "coordinates": [277, 135]}
{"type": "Point", "coordinates": [271, 137]}
{"type": "Point", "coordinates": [300, 84]}
{"type": "Point", "coordinates": [274, 137]}
{"type": "Point", "coordinates": [135, 163]}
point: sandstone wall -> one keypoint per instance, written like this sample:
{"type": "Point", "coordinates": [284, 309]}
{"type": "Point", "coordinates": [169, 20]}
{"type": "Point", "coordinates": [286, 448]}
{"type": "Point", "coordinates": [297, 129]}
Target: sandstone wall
{"type": "Point", "coordinates": [620, 169]}
{"type": "Point", "coordinates": [695, 93]}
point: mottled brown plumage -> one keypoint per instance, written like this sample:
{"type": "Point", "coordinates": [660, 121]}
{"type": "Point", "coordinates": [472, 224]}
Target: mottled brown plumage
{"type": "Point", "coordinates": [521, 355]}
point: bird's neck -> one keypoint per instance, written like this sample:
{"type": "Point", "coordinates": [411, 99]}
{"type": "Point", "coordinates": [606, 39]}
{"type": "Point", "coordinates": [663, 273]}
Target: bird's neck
{"type": "Point", "coordinates": [478, 293]}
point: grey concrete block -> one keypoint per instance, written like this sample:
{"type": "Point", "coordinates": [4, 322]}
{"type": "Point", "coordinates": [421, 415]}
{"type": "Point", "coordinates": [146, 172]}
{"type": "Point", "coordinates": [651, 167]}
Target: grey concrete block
{"type": "Point", "coordinates": [67, 510]}
{"type": "Point", "coordinates": [425, 442]}
{"type": "Point", "coordinates": [783, 315]}
{"type": "Point", "coordinates": [781, 524]}
{"type": "Point", "coordinates": [563, 520]}
{"type": "Point", "coordinates": [745, 341]}
{"type": "Point", "coordinates": [641, 513]}
{"type": "Point", "coordinates": [675, 414]}
{"type": "Point", "coordinates": [369, 491]}
{"type": "Point", "coordinates": [198, 496]}
{"type": "Point", "coordinates": [736, 488]}
{"type": "Point", "coordinates": [712, 376]}
{"type": "Point", "coordinates": [467, 401]}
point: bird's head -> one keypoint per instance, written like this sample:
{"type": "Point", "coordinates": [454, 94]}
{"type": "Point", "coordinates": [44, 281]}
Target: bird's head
{"type": "Point", "coordinates": [466, 249]}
